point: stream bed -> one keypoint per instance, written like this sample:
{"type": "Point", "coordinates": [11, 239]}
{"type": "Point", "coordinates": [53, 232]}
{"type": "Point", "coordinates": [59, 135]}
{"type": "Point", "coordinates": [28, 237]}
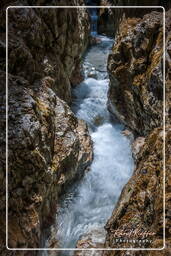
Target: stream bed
{"type": "Point", "coordinates": [89, 203]}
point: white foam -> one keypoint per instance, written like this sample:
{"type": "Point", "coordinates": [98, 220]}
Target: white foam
{"type": "Point", "coordinates": [89, 203]}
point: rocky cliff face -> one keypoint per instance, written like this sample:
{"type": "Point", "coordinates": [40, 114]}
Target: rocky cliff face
{"type": "Point", "coordinates": [140, 207]}
{"type": "Point", "coordinates": [135, 70]}
{"type": "Point", "coordinates": [135, 89]}
{"type": "Point", "coordinates": [47, 44]}
{"type": "Point", "coordinates": [110, 18]}
{"type": "Point", "coordinates": [48, 147]}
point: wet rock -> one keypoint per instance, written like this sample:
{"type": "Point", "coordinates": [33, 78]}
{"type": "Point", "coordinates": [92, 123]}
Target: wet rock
{"type": "Point", "coordinates": [48, 146]}
{"type": "Point", "coordinates": [93, 239]}
{"type": "Point", "coordinates": [45, 41]}
{"type": "Point", "coordinates": [128, 134]}
{"type": "Point", "coordinates": [135, 71]}
{"type": "Point", "coordinates": [92, 73]}
{"type": "Point", "coordinates": [110, 18]}
{"type": "Point", "coordinates": [48, 149]}
{"type": "Point", "coordinates": [94, 40]}
{"type": "Point", "coordinates": [136, 146]}
{"type": "Point", "coordinates": [77, 75]}
{"type": "Point", "coordinates": [107, 20]}
{"type": "Point", "coordinates": [140, 206]}
{"type": "Point", "coordinates": [141, 198]}
{"type": "Point", "coordinates": [98, 120]}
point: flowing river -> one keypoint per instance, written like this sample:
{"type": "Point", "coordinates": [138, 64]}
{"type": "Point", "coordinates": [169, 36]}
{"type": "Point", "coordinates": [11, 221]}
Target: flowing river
{"type": "Point", "coordinates": [89, 203]}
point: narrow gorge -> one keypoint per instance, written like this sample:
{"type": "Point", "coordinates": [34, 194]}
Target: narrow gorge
{"type": "Point", "coordinates": [86, 109]}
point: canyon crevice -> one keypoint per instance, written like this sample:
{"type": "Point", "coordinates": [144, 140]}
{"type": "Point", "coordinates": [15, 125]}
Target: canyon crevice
{"type": "Point", "coordinates": [49, 148]}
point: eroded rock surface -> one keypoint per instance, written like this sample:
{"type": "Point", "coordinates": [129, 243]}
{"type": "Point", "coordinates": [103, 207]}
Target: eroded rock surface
{"type": "Point", "coordinates": [48, 146]}
{"type": "Point", "coordinates": [94, 239]}
{"type": "Point", "coordinates": [135, 70]}
{"type": "Point", "coordinates": [110, 18]}
{"type": "Point", "coordinates": [48, 42]}
{"type": "Point", "coordinates": [140, 206]}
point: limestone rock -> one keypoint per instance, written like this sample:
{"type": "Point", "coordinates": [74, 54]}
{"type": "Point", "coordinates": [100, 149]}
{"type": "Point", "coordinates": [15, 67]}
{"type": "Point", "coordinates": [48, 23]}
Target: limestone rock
{"type": "Point", "coordinates": [140, 206]}
{"type": "Point", "coordinates": [93, 239]}
{"type": "Point", "coordinates": [48, 149]}
{"type": "Point", "coordinates": [129, 134]}
{"type": "Point", "coordinates": [135, 71]}
{"type": "Point", "coordinates": [48, 146]}
{"type": "Point", "coordinates": [110, 18]}
{"type": "Point", "coordinates": [49, 42]}
{"type": "Point", "coordinates": [136, 146]}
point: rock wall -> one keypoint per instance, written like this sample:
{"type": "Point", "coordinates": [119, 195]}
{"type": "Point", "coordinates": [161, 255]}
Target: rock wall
{"type": "Point", "coordinates": [135, 71]}
{"type": "Point", "coordinates": [140, 206]}
{"type": "Point", "coordinates": [110, 18]}
{"type": "Point", "coordinates": [45, 41]}
{"type": "Point", "coordinates": [48, 147]}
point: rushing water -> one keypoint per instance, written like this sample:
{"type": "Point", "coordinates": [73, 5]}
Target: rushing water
{"type": "Point", "coordinates": [94, 18]}
{"type": "Point", "coordinates": [89, 203]}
